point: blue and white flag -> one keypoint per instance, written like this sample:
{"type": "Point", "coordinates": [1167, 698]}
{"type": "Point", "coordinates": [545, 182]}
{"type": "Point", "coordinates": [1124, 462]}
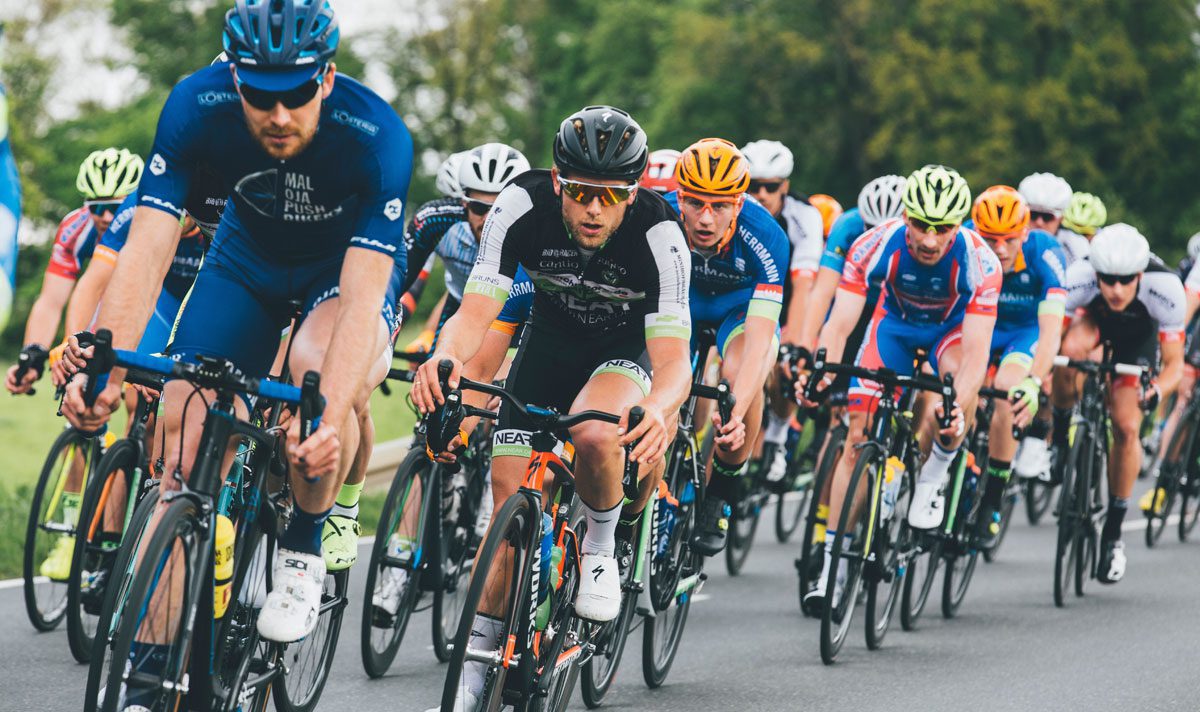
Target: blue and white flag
{"type": "Point", "coordinates": [10, 216]}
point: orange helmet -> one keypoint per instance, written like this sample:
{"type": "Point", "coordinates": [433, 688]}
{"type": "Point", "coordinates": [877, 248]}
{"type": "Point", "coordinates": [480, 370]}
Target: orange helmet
{"type": "Point", "coordinates": [660, 171]}
{"type": "Point", "coordinates": [830, 209]}
{"type": "Point", "coordinates": [1000, 210]}
{"type": "Point", "coordinates": [714, 166]}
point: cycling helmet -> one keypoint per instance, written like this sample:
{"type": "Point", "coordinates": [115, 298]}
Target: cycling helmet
{"type": "Point", "coordinates": [937, 194]}
{"type": "Point", "coordinates": [660, 170]}
{"type": "Point", "coordinates": [280, 44]}
{"type": "Point", "coordinates": [1000, 210]}
{"type": "Point", "coordinates": [1085, 214]}
{"type": "Point", "coordinates": [447, 175]}
{"type": "Point", "coordinates": [714, 166]}
{"type": "Point", "coordinates": [601, 141]}
{"type": "Point", "coordinates": [1193, 247]}
{"type": "Point", "coordinates": [1119, 249]}
{"type": "Point", "coordinates": [830, 209]}
{"type": "Point", "coordinates": [881, 200]}
{"type": "Point", "coordinates": [109, 173]}
{"type": "Point", "coordinates": [488, 168]}
{"type": "Point", "coordinates": [1046, 192]}
{"type": "Point", "coordinates": [768, 159]}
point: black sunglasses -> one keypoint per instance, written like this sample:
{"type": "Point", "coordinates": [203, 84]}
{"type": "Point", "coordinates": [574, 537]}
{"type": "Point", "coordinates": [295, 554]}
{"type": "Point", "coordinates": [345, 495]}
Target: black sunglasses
{"type": "Point", "coordinates": [477, 207]}
{"type": "Point", "coordinates": [100, 207]}
{"type": "Point", "coordinates": [926, 226]}
{"type": "Point", "coordinates": [770, 186]}
{"type": "Point", "coordinates": [291, 99]}
{"type": "Point", "coordinates": [1042, 215]}
{"type": "Point", "coordinates": [1111, 279]}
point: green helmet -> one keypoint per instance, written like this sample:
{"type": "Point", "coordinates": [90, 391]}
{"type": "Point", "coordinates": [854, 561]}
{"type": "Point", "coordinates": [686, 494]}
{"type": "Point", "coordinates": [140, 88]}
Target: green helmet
{"type": "Point", "coordinates": [109, 173]}
{"type": "Point", "coordinates": [937, 194]}
{"type": "Point", "coordinates": [1085, 214]}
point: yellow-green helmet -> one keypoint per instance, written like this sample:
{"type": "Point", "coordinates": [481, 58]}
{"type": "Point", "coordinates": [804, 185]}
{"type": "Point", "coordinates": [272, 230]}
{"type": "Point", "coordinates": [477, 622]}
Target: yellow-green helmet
{"type": "Point", "coordinates": [937, 194]}
{"type": "Point", "coordinates": [109, 173]}
{"type": "Point", "coordinates": [1085, 214]}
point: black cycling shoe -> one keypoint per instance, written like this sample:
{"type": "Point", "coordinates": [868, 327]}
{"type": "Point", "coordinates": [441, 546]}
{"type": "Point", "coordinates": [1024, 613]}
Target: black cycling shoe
{"type": "Point", "coordinates": [709, 538]}
{"type": "Point", "coordinates": [987, 528]}
{"type": "Point", "coordinates": [1111, 568]}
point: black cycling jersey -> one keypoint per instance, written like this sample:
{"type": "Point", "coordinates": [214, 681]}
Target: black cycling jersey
{"type": "Point", "coordinates": [639, 277]}
{"type": "Point", "coordinates": [426, 230]}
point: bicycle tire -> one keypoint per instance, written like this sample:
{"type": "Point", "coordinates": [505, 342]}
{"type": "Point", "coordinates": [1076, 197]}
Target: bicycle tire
{"type": "Point", "coordinates": [512, 525]}
{"type": "Point", "coordinates": [917, 587]}
{"type": "Point", "coordinates": [1038, 496]}
{"type": "Point", "coordinates": [1064, 555]}
{"type": "Point", "coordinates": [560, 683]}
{"type": "Point", "coordinates": [842, 615]}
{"type": "Point", "coordinates": [812, 553]}
{"type": "Point", "coordinates": [1007, 506]}
{"type": "Point", "coordinates": [46, 601]}
{"type": "Point", "coordinates": [377, 659]}
{"type": "Point", "coordinates": [788, 515]}
{"type": "Point", "coordinates": [1189, 512]}
{"type": "Point", "coordinates": [743, 526]}
{"type": "Point", "coordinates": [1156, 518]}
{"type": "Point", "coordinates": [1087, 550]}
{"type": "Point", "coordinates": [963, 557]}
{"type": "Point", "coordinates": [661, 636]}
{"type": "Point", "coordinates": [120, 458]}
{"type": "Point", "coordinates": [180, 522]}
{"type": "Point", "coordinates": [333, 607]}
{"type": "Point", "coordinates": [456, 559]}
{"type": "Point", "coordinates": [899, 541]}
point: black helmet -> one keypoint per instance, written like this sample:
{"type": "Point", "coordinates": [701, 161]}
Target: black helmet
{"type": "Point", "coordinates": [601, 141]}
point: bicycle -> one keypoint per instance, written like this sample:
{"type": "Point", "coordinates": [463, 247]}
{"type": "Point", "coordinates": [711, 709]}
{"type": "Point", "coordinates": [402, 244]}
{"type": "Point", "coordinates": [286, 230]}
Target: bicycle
{"type": "Point", "coordinates": [224, 666]}
{"type": "Point", "coordinates": [427, 549]}
{"type": "Point", "coordinates": [812, 550]}
{"type": "Point", "coordinates": [1081, 505]}
{"type": "Point", "coordinates": [881, 544]}
{"type": "Point", "coordinates": [1178, 478]}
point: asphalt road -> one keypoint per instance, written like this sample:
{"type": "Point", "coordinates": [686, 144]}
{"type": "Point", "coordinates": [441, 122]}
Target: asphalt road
{"type": "Point", "coordinates": [1133, 646]}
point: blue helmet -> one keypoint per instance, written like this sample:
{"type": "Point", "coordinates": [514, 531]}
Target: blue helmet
{"type": "Point", "coordinates": [280, 44]}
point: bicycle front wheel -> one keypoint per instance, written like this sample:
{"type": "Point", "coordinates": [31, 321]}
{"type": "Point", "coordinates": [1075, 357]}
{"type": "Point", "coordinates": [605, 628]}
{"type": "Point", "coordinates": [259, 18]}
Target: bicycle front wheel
{"type": "Point", "coordinates": [842, 592]}
{"type": "Point", "coordinates": [918, 579]}
{"type": "Point", "coordinates": [812, 551]}
{"type": "Point", "coordinates": [743, 525]}
{"type": "Point", "coordinates": [895, 544]}
{"type": "Point", "coordinates": [1069, 522]}
{"type": "Point", "coordinates": [307, 662]}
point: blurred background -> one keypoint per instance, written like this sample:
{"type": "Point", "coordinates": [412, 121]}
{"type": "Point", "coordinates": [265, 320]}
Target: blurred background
{"type": "Point", "coordinates": [1105, 93]}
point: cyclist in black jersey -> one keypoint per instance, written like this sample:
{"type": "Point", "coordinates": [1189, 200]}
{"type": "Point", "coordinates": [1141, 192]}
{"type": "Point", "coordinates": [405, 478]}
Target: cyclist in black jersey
{"type": "Point", "coordinates": [612, 272]}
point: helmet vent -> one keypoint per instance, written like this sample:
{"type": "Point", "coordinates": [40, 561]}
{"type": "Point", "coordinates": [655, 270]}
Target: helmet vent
{"type": "Point", "coordinates": [602, 139]}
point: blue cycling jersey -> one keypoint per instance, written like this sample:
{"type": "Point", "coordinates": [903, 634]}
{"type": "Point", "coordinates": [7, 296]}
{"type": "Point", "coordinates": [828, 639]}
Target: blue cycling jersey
{"type": "Point", "coordinates": [519, 303]}
{"type": "Point", "coordinates": [1034, 286]}
{"type": "Point", "coordinates": [845, 231]}
{"type": "Point", "coordinates": [346, 188]}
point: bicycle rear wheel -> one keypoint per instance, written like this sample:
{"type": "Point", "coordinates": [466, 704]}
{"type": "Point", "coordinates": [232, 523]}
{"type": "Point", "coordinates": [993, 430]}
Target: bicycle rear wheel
{"type": "Point", "coordinates": [1165, 489]}
{"type": "Point", "coordinates": [307, 662]}
{"type": "Point", "coordinates": [51, 528]}
{"type": "Point", "coordinates": [1069, 523]}
{"type": "Point", "coordinates": [896, 544]}
{"type": "Point", "coordinates": [918, 579]}
{"type": "Point", "coordinates": [661, 636]}
{"type": "Point", "coordinates": [1008, 504]}
{"type": "Point", "coordinates": [456, 558]}
{"type": "Point", "coordinates": [962, 551]}
{"type": "Point", "coordinates": [1189, 496]}
{"type": "Point", "coordinates": [743, 525]}
{"type": "Point", "coordinates": [838, 611]}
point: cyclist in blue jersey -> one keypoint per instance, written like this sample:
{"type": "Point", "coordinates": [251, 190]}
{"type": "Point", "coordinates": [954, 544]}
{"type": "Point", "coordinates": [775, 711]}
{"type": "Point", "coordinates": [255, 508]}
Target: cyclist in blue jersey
{"type": "Point", "coordinates": [315, 215]}
{"type": "Point", "coordinates": [1027, 334]}
{"type": "Point", "coordinates": [739, 263]}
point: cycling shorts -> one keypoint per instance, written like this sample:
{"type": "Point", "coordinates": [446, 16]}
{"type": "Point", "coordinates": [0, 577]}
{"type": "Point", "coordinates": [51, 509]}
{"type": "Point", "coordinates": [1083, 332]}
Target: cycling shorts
{"type": "Point", "coordinates": [1015, 345]}
{"type": "Point", "coordinates": [239, 304]}
{"type": "Point", "coordinates": [158, 330]}
{"type": "Point", "coordinates": [551, 368]}
{"type": "Point", "coordinates": [1134, 340]}
{"type": "Point", "coordinates": [891, 342]}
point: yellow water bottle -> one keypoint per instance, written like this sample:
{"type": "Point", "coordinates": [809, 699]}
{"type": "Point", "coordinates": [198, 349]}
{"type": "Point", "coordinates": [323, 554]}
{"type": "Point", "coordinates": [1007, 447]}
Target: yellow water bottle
{"type": "Point", "coordinates": [222, 564]}
{"type": "Point", "coordinates": [893, 475]}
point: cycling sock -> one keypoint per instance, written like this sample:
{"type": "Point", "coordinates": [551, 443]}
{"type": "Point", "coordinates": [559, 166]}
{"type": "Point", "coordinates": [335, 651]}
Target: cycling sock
{"type": "Point", "coordinates": [726, 480]}
{"type": "Point", "coordinates": [70, 505]}
{"type": "Point", "coordinates": [1117, 506]}
{"type": "Point", "coordinates": [937, 467]}
{"type": "Point", "coordinates": [600, 537]}
{"type": "Point", "coordinates": [485, 635]}
{"type": "Point", "coordinates": [346, 504]}
{"type": "Point", "coordinates": [1062, 426]}
{"type": "Point", "coordinates": [820, 521]}
{"type": "Point", "coordinates": [998, 474]}
{"type": "Point", "coordinates": [776, 430]}
{"type": "Point", "coordinates": [304, 532]}
{"type": "Point", "coordinates": [1038, 429]}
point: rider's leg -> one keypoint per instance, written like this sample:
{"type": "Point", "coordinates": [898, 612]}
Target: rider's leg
{"type": "Point", "coordinates": [927, 508]}
{"type": "Point", "coordinates": [1077, 343]}
{"type": "Point", "coordinates": [1123, 467]}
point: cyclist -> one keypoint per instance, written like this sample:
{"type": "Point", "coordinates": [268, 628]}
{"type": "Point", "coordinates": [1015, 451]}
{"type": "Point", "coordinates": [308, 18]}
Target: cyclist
{"type": "Point", "coordinates": [610, 267]}
{"type": "Point", "coordinates": [738, 258]}
{"type": "Point", "coordinates": [1189, 259]}
{"type": "Point", "coordinates": [829, 208]}
{"type": "Point", "coordinates": [1027, 333]}
{"type": "Point", "coordinates": [940, 287]}
{"type": "Point", "coordinates": [1125, 296]}
{"type": "Point", "coordinates": [1048, 197]}
{"type": "Point", "coordinates": [659, 175]}
{"type": "Point", "coordinates": [105, 178]}
{"type": "Point", "coordinates": [315, 215]}
{"type": "Point", "coordinates": [1085, 214]}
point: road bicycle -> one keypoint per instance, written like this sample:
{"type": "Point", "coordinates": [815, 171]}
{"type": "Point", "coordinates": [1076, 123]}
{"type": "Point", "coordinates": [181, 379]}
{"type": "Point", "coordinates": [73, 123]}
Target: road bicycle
{"type": "Point", "coordinates": [1178, 478]}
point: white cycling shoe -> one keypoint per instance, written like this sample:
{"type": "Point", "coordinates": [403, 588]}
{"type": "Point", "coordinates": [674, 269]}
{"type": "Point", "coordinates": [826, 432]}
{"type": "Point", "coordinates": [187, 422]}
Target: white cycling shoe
{"type": "Point", "coordinates": [1034, 458]}
{"type": "Point", "coordinates": [290, 611]}
{"type": "Point", "coordinates": [465, 702]}
{"type": "Point", "coordinates": [599, 596]}
{"type": "Point", "coordinates": [928, 505]}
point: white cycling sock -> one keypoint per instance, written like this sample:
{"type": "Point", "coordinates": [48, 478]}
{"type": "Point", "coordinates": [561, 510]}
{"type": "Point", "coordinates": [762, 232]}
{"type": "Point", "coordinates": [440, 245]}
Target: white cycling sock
{"type": "Point", "coordinates": [485, 635]}
{"type": "Point", "coordinates": [776, 431]}
{"type": "Point", "coordinates": [937, 467]}
{"type": "Point", "coordinates": [601, 535]}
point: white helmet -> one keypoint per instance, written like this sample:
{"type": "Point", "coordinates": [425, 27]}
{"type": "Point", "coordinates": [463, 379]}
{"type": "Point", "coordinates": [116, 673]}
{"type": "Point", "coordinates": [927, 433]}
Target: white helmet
{"type": "Point", "coordinates": [1046, 192]}
{"type": "Point", "coordinates": [447, 175]}
{"type": "Point", "coordinates": [488, 168]}
{"type": "Point", "coordinates": [768, 159]}
{"type": "Point", "coordinates": [1193, 248]}
{"type": "Point", "coordinates": [882, 199]}
{"type": "Point", "coordinates": [1119, 249]}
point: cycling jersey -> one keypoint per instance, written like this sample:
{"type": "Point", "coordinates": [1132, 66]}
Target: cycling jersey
{"type": "Point", "coordinates": [1075, 247]}
{"type": "Point", "coordinates": [639, 277]}
{"type": "Point", "coordinates": [846, 229]}
{"type": "Point", "coordinates": [517, 306]}
{"type": "Point", "coordinates": [427, 236]}
{"type": "Point", "coordinates": [1192, 281]}
{"type": "Point", "coordinates": [1160, 302]}
{"type": "Point", "coordinates": [806, 232]}
{"type": "Point", "coordinates": [745, 278]}
{"type": "Point", "coordinates": [74, 243]}
{"type": "Point", "coordinates": [347, 188]}
{"type": "Point", "coordinates": [1033, 287]}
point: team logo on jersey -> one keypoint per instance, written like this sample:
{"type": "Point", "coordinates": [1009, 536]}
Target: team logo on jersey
{"type": "Point", "coordinates": [347, 119]}
{"type": "Point", "coordinates": [213, 98]}
{"type": "Point", "coordinates": [158, 165]}
{"type": "Point", "coordinates": [394, 209]}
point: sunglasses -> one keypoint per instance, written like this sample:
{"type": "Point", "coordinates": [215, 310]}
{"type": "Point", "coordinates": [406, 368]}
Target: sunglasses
{"type": "Point", "coordinates": [1042, 215]}
{"type": "Point", "coordinates": [708, 202]}
{"type": "Point", "coordinates": [100, 207]}
{"type": "Point", "coordinates": [769, 186]}
{"type": "Point", "coordinates": [584, 193]}
{"type": "Point", "coordinates": [934, 227]}
{"type": "Point", "coordinates": [291, 99]}
{"type": "Point", "coordinates": [1111, 279]}
{"type": "Point", "coordinates": [477, 207]}
{"type": "Point", "coordinates": [1001, 238]}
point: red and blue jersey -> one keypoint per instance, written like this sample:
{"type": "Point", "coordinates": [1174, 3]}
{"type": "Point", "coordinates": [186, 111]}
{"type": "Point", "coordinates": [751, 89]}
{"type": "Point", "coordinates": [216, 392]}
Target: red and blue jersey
{"type": "Point", "coordinates": [74, 244]}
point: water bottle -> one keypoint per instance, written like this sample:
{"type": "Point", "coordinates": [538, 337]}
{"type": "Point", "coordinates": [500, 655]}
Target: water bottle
{"type": "Point", "coordinates": [223, 540]}
{"type": "Point", "coordinates": [667, 513]}
{"type": "Point", "coordinates": [689, 493]}
{"type": "Point", "coordinates": [548, 568]}
{"type": "Point", "coordinates": [893, 475]}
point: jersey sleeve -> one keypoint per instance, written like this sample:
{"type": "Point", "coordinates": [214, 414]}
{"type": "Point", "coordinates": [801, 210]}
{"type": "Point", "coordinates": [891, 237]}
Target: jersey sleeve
{"type": "Point", "coordinates": [1081, 285]}
{"type": "Point", "coordinates": [65, 258]}
{"type": "Point", "coordinates": [177, 146]}
{"type": "Point", "coordinates": [669, 311]}
{"type": "Point", "coordinates": [421, 239]}
{"type": "Point", "coordinates": [845, 230]}
{"type": "Point", "coordinates": [517, 306]}
{"type": "Point", "coordinates": [770, 249]}
{"type": "Point", "coordinates": [1193, 279]}
{"type": "Point", "coordinates": [1051, 266]}
{"type": "Point", "coordinates": [382, 196]}
{"type": "Point", "coordinates": [864, 253]}
{"type": "Point", "coordinates": [117, 232]}
{"type": "Point", "coordinates": [985, 297]}
{"type": "Point", "coordinates": [496, 263]}
{"type": "Point", "coordinates": [1167, 303]}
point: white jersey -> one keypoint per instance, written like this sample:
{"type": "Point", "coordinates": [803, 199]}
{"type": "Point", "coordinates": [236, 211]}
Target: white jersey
{"type": "Point", "coordinates": [806, 231]}
{"type": "Point", "coordinates": [1160, 295]}
{"type": "Point", "coordinates": [1192, 283]}
{"type": "Point", "coordinates": [1075, 247]}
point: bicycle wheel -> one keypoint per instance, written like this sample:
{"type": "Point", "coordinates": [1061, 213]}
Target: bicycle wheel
{"type": "Point", "coordinates": [600, 669]}
{"type": "Point", "coordinates": [962, 551]}
{"type": "Point", "coordinates": [161, 604]}
{"type": "Point", "coordinates": [1007, 505]}
{"type": "Point", "coordinates": [1088, 547]}
{"type": "Point", "coordinates": [457, 558]}
{"type": "Point", "coordinates": [507, 549]}
{"type": "Point", "coordinates": [895, 545]}
{"type": "Point", "coordinates": [661, 636]}
{"type": "Point", "coordinates": [307, 662]}
{"type": "Point", "coordinates": [1067, 541]}
{"type": "Point", "coordinates": [666, 569]}
{"type": "Point", "coordinates": [50, 529]}
{"type": "Point", "coordinates": [95, 549]}
{"type": "Point", "coordinates": [839, 610]}
{"type": "Point", "coordinates": [812, 553]}
{"type": "Point", "coordinates": [1189, 492]}
{"type": "Point", "coordinates": [743, 525]}
{"type": "Point", "coordinates": [1165, 489]}
{"type": "Point", "coordinates": [1038, 496]}
{"type": "Point", "coordinates": [561, 641]}
{"type": "Point", "coordinates": [382, 632]}
{"type": "Point", "coordinates": [790, 508]}
{"type": "Point", "coordinates": [918, 579]}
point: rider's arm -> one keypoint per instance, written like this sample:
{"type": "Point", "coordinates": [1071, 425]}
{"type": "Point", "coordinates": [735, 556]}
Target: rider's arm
{"type": "Point", "coordinates": [1051, 309]}
{"type": "Point", "coordinates": [1050, 328]}
{"type": "Point", "coordinates": [145, 260]}
{"type": "Point", "coordinates": [1192, 287]}
{"type": "Point", "coordinates": [847, 306]}
{"type": "Point", "coordinates": [976, 347]}
{"type": "Point", "coordinates": [1168, 309]}
{"type": "Point", "coordinates": [44, 317]}
{"type": "Point", "coordinates": [819, 301]}
{"type": "Point", "coordinates": [1172, 366]}
{"type": "Point", "coordinates": [92, 284]}
{"type": "Point", "coordinates": [802, 284]}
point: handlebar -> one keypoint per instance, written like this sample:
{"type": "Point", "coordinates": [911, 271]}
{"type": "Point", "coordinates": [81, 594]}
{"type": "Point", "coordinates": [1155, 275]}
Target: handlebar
{"type": "Point", "coordinates": [1097, 367]}
{"type": "Point", "coordinates": [31, 358]}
